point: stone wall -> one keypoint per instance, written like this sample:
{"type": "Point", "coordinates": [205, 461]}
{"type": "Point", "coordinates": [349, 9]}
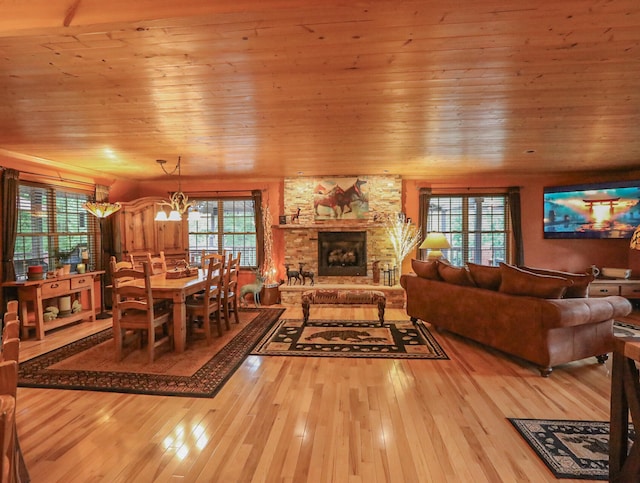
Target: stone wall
{"type": "Point", "coordinates": [301, 237]}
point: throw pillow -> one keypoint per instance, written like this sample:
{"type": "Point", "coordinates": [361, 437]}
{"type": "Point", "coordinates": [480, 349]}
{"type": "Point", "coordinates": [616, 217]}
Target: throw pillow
{"type": "Point", "coordinates": [581, 281]}
{"type": "Point", "coordinates": [516, 281]}
{"type": "Point", "coordinates": [426, 269]}
{"type": "Point", "coordinates": [455, 275]}
{"type": "Point", "coordinates": [485, 276]}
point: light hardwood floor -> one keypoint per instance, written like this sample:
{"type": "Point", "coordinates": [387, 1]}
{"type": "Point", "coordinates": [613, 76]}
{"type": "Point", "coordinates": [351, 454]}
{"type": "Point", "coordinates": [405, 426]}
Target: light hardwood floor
{"type": "Point", "coordinates": [299, 419]}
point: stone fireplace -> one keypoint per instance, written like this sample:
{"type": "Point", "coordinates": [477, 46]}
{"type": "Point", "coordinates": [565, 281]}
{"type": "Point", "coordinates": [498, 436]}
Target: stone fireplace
{"type": "Point", "coordinates": [342, 254]}
{"type": "Point", "coordinates": [303, 240]}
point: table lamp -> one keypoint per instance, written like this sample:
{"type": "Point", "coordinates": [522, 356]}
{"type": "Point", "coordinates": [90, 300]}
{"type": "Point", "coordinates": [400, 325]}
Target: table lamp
{"type": "Point", "coordinates": [435, 242]}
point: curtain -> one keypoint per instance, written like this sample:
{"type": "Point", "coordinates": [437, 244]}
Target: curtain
{"type": "Point", "coordinates": [256, 195]}
{"type": "Point", "coordinates": [423, 214]}
{"type": "Point", "coordinates": [10, 185]}
{"type": "Point", "coordinates": [106, 233]}
{"type": "Point", "coordinates": [516, 223]}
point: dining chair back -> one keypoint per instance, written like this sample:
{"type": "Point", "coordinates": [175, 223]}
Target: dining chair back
{"type": "Point", "coordinates": [13, 467]}
{"type": "Point", "coordinates": [206, 257]}
{"type": "Point", "coordinates": [204, 306]}
{"type": "Point", "coordinates": [157, 263]}
{"type": "Point", "coordinates": [134, 311]}
{"type": "Point", "coordinates": [12, 306]}
{"type": "Point", "coordinates": [11, 322]}
{"type": "Point", "coordinates": [122, 264]}
{"type": "Point", "coordinates": [8, 386]}
{"type": "Point", "coordinates": [230, 289]}
{"type": "Point", "coordinates": [11, 328]}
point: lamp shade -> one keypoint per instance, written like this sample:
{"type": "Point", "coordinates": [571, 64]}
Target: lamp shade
{"type": "Point", "coordinates": [435, 242]}
{"type": "Point", "coordinates": [101, 209]}
{"type": "Point", "coordinates": [635, 239]}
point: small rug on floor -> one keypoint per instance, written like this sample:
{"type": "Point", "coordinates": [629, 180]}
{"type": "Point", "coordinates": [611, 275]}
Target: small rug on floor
{"type": "Point", "coordinates": [200, 371]}
{"type": "Point", "coordinates": [623, 329]}
{"type": "Point", "coordinates": [570, 449]}
{"type": "Point", "coordinates": [396, 339]}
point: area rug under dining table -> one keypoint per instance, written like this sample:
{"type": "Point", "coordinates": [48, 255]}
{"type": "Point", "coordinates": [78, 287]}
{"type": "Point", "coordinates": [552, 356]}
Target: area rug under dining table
{"type": "Point", "coordinates": [200, 371]}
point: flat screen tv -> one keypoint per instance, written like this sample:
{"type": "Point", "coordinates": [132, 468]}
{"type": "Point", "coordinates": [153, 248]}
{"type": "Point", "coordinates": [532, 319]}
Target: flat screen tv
{"type": "Point", "coordinates": [602, 210]}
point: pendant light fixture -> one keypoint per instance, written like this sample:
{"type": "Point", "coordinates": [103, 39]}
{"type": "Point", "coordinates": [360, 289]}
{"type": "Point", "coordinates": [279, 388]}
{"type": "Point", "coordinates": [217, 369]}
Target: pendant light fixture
{"type": "Point", "coordinates": [178, 201]}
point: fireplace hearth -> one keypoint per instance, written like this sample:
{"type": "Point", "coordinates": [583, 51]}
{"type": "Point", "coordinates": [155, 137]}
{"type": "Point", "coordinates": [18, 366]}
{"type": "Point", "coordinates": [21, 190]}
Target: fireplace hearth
{"type": "Point", "coordinates": [342, 254]}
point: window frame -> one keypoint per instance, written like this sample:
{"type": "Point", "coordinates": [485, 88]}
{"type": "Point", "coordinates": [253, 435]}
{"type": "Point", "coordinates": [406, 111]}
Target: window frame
{"type": "Point", "coordinates": [50, 238]}
{"type": "Point", "coordinates": [463, 249]}
{"type": "Point", "coordinates": [223, 234]}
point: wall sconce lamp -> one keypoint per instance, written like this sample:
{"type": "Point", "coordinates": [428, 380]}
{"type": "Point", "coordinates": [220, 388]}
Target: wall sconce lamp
{"type": "Point", "coordinates": [178, 201]}
{"type": "Point", "coordinates": [435, 242]}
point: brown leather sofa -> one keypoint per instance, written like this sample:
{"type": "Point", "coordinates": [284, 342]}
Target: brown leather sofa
{"type": "Point", "coordinates": [491, 305]}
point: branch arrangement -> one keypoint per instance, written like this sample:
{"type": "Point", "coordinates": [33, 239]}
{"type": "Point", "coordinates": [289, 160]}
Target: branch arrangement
{"type": "Point", "coordinates": [403, 235]}
{"type": "Point", "coordinates": [268, 268]}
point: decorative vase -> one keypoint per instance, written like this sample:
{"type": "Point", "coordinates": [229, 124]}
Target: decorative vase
{"type": "Point", "coordinates": [375, 268]}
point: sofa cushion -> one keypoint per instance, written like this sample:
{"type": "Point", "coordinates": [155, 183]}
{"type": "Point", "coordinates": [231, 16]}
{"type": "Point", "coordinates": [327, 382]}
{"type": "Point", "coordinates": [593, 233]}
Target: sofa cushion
{"type": "Point", "coordinates": [426, 269]}
{"type": "Point", "coordinates": [455, 275]}
{"type": "Point", "coordinates": [516, 281]}
{"type": "Point", "coordinates": [581, 281]}
{"type": "Point", "coordinates": [485, 276]}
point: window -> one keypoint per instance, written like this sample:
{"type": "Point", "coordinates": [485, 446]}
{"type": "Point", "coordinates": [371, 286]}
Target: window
{"type": "Point", "coordinates": [477, 227]}
{"type": "Point", "coordinates": [53, 227]}
{"type": "Point", "coordinates": [225, 226]}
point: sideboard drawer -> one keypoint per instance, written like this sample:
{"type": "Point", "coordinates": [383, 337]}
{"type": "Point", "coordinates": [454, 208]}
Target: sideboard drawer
{"type": "Point", "coordinates": [55, 288]}
{"type": "Point", "coordinates": [81, 282]}
{"type": "Point", "coordinates": [631, 291]}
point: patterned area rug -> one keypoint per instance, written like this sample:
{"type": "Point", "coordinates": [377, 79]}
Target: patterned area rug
{"type": "Point", "coordinates": [622, 329]}
{"type": "Point", "coordinates": [361, 338]}
{"type": "Point", "coordinates": [570, 449]}
{"type": "Point", "coordinates": [200, 371]}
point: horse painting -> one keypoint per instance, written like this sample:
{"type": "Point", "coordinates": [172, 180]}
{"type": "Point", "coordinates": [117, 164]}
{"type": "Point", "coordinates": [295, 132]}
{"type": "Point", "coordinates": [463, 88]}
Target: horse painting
{"type": "Point", "coordinates": [339, 201]}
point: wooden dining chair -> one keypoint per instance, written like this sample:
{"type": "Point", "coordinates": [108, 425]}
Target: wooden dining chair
{"type": "Point", "coordinates": [12, 467]}
{"type": "Point", "coordinates": [157, 263]}
{"type": "Point", "coordinates": [119, 265]}
{"type": "Point", "coordinates": [8, 456]}
{"type": "Point", "coordinates": [11, 322]}
{"type": "Point", "coordinates": [206, 257]}
{"type": "Point", "coordinates": [201, 308]}
{"type": "Point", "coordinates": [134, 311]}
{"type": "Point", "coordinates": [230, 290]}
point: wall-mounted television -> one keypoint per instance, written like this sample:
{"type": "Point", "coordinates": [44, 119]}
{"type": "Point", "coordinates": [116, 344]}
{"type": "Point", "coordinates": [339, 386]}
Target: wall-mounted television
{"type": "Point", "coordinates": [597, 210]}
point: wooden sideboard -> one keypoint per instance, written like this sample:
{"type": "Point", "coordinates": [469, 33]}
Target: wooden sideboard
{"type": "Point", "coordinates": [601, 287]}
{"type": "Point", "coordinates": [35, 296]}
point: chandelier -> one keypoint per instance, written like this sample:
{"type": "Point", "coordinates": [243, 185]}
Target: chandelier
{"type": "Point", "coordinates": [101, 209]}
{"type": "Point", "coordinates": [178, 201]}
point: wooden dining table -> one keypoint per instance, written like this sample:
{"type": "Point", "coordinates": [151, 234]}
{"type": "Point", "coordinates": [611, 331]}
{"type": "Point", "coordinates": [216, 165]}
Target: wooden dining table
{"type": "Point", "coordinates": [177, 290]}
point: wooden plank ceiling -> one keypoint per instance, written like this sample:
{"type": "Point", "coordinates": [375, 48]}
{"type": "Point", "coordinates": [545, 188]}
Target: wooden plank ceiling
{"type": "Point", "coordinates": [272, 88]}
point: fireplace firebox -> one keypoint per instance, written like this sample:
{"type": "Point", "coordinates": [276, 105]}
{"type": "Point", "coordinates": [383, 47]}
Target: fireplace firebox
{"type": "Point", "coordinates": [342, 253]}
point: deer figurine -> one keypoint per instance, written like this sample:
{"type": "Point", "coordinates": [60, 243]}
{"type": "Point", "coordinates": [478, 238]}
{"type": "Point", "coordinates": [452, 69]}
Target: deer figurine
{"type": "Point", "coordinates": [253, 288]}
{"type": "Point", "coordinates": [292, 274]}
{"type": "Point", "coordinates": [305, 274]}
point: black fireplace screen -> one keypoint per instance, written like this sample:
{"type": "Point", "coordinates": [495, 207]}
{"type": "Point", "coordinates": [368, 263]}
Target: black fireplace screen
{"type": "Point", "coordinates": [342, 253]}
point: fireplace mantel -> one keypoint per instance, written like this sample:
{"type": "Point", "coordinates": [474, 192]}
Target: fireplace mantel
{"type": "Point", "coordinates": [332, 225]}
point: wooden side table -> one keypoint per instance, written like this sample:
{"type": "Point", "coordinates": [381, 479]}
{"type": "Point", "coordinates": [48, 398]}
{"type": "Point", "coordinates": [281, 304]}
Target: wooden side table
{"type": "Point", "coordinates": [601, 287]}
{"type": "Point", "coordinates": [34, 294]}
{"type": "Point", "coordinates": [624, 464]}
